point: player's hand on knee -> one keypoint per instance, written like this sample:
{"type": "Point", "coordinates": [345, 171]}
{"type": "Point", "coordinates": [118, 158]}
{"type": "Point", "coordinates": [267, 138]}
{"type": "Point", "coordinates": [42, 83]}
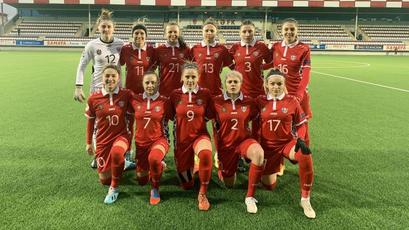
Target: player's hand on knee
{"type": "Point", "coordinates": [90, 149]}
{"type": "Point", "coordinates": [301, 145]}
{"type": "Point", "coordinates": [79, 94]}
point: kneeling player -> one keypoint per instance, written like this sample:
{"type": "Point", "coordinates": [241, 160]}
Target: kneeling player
{"type": "Point", "coordinates": [233, 112]}
{"type": "Point", "coordinates": [107, 110]}
{"type": "Point", "coordinates": [150, 141]}
{"type": "Point", "coordinates": [189, 110]}
{"type": "Point", "coordinates": [281, 135]}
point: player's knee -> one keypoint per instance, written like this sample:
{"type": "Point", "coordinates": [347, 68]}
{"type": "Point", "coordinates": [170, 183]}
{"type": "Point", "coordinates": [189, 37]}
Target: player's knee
{"type": "Point", "coordinates": [205, 157]}
{"type": "Point", "coordinates": [269, 187]}
{"type": "Point", "coordinates": [105, 180]}
{"type": "Point", "coordinates": [142, 180]}
{"type": "Point", "coordinates": [187, 185]}
{"type": "Point", "coordinates": [154, 159]}
{"type": "Point", "coordinates": [256, 153]}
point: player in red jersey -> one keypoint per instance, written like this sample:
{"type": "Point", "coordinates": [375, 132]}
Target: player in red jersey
{"type": "Point", "coordinates": [211, 57]}
{"type": "Point", "coordinates": [171, 57]}
{"type": "Point", "coordinates": [150, 141]}
{"type": "Point", "coordinates": [233, 113]}
{"type": "Point", "coordinates": [190, 110]}
{"type": "Point", "coordinates": [106, 111]}
{"type": "Point", "coordinates": [282, 130]}
{"type": "Point", "coordinates": [138, 57]}
{"type": "Point", "coordinates": [249, 55]}
{"type": "Point", "coordinates": [292, 58]}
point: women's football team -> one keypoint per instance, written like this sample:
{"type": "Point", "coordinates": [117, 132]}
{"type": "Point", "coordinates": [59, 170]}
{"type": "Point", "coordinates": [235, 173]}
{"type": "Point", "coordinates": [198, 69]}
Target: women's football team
{"type": "Point", "coordinates": [262, 119]}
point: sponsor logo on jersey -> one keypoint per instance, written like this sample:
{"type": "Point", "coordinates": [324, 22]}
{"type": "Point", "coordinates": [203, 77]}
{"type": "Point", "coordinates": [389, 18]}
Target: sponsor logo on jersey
{"type": "Point", "coordinates": [138, 107]}
{"type": "Point", "coordinates": [238, 54]}
{"type": "Point", "coordinates": [284, 110]}
{"type": "Point", "coordinates": [263, 109]}
{"type": "Point", "coordinates": [216, 55]}
{"type": "Point", "coordinates": [121, 103]}
{"type": "Point", "coordinates": [148, 58]}
{"type": "Point", "coordinates": [100, 106]}
{"type": "Point", "coordinates": [200, 55]}
{"type": "Point", "coordinates": [293, 57]}
{"type": "Point", "coordinates": [157, 108]}
{"type": "Point", "coordinates": [199, 101]}
{"type": "Point", "coordinates": [224, 110]}
{"type": "Point", "coordinates": [99, 52]}
{"type": "Point", "coordinates": [256, 53]}
{"type": "Point", "coordinates": [244, 108]}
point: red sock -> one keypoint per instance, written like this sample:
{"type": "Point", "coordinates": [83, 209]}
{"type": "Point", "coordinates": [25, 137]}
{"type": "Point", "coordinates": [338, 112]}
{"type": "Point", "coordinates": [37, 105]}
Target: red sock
{"type": "Point", "coordinates": [143, 180]}
{"type": "Point", "coordinates": [254, 177]}
{"type": "Point", "coordinates": [155, 166]}
{"type": "Point", "coordinates": [117, 165]}
{"type": "Point", "coordinates": [306, 173]}
{"type": "Point", "coordinates": [307, 135]}
{"type": "Point", "coordinates": [205, 169]}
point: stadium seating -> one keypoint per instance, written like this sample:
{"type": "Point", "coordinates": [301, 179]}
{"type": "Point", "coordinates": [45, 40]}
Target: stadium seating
{"type": "Point", "coordinates": [46, 28]}
{"type": "Point", "coordinates": [386, 32]}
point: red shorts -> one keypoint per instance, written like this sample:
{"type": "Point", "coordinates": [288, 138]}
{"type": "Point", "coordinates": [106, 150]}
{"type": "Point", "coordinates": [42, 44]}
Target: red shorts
{"type": "Point", "coordinates": [103, 156]}
{"type": "Point", "coordinates": [305, 105]}
{"type": "Point", "coordinates": [228, 158]}
{"type": "Point", "coordinates": [274, 156]}
{"type": "Point", "coordinates": [184, 153]}
{"type": "Point", "coordinates": [142, 154]}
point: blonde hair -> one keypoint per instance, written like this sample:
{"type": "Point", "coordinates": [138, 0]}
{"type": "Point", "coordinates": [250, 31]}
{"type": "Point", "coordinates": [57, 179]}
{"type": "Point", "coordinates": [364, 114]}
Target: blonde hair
{"type": "Point", "coordinates": [106, 15]}
{"type": "Point", "coordinates": [111, 66]}
{"type": "Point", "coordinates": [234, 73]}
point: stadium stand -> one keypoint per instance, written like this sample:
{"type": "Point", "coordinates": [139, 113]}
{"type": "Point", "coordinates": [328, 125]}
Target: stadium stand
{"type": "Point", "coordinates": [386, 32]}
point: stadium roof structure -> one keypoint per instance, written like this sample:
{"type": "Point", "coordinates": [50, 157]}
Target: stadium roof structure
{"type": "Point", "coordinates": [229, 3]}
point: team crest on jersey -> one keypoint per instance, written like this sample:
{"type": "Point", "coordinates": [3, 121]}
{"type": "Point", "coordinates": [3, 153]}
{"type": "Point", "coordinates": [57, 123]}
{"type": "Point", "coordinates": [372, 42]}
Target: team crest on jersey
{"type": "Point", "coordinates": [293, 57]}
{"type": "Point", "coordinates": [100, 106]}
{"type": "Point", "coordinates": [244, 108]}
{"type": "Point", "coordinates": [224, 110]}
{"type": "Point", "coordinates": [256, 53]}
{"type": "Point", "coordinates": [284, 110]}
{"type": "Point", "coordinates": [118, 49]}
{"type": "Point", "coordinates": [200, 55]}
{"type": "Point", "coordinates": [276, 54]}
{"type": "Point", "coordinates": [238, 54]}
{"type": "Point", "coordinates": [263, 109]}
{"type": "Point", "coordinates": [99, 52]}
{"type": "Point", "coordinates": [157, 108]}
{"type": "Point", "coordinates": [138, 107]}
{"type": "Point", "coordinates": [199, 101]}
{"type": "Point", "coordinates": [181, 55]}
{"type": "Point", "coordinates": [216, 55]}
{"type": "Point", "coordinates": [148, 58]}
{"type": "Point", "coordinates": [121, 104]}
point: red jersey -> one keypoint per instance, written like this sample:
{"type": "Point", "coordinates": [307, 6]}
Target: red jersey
{"type": "Point", "coordinates": [150, 113]}
{"type": "Point", "coordinates": [277, 120]}
{"type": "Point", "coordinates": [170, 61]}
{"type": "Point", "coordinates": [211, 59]}
{"type": "Point", "coordinates": [137, 61]}
{"type": "Point", "coordinates": [232, 119]}
{"type": "Point", "coordinates": [189, 112]}
{"type": "Point", "coordinates": [295, 62]}
{"type": "Point", "coordinates": [249, 62]}
{"type": "Point", "coordinates": [109, 112]}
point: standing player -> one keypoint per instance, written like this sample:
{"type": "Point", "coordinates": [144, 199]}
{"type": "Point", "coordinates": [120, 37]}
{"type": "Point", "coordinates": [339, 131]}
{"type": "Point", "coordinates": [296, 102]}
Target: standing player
{"type": "Point", "coordinates": [292, 58]}
{"type": "Point", "coordinates": [101, 51]}
{"type": "Point", "coordinates": [282, 132]}
{"type": "Point", "coordinates": [138, 57]}
{"type": "Point", "coordinates": [233, 113]}
{"type": "Point", "coordinates": [249, 55]}
{"type": "Point", "coordinates": [106, 112]}
{"type": "Point", "coordinates": [211, 57]}
{"type": "Point", "coordinates": [171, 57]}
{"type": "Point", "coordinates": [151, 145]}
{"type": "Point", "coordinates": [190, 110]}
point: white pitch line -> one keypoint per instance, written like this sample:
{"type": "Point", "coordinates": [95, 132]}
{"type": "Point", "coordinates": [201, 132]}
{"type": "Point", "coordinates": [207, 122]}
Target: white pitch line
{"type": "Point", "coordinates": [363, 82]}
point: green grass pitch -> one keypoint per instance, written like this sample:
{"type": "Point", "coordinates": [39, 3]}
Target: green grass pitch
{"type": "Point", "coordinates": [359, 141]}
